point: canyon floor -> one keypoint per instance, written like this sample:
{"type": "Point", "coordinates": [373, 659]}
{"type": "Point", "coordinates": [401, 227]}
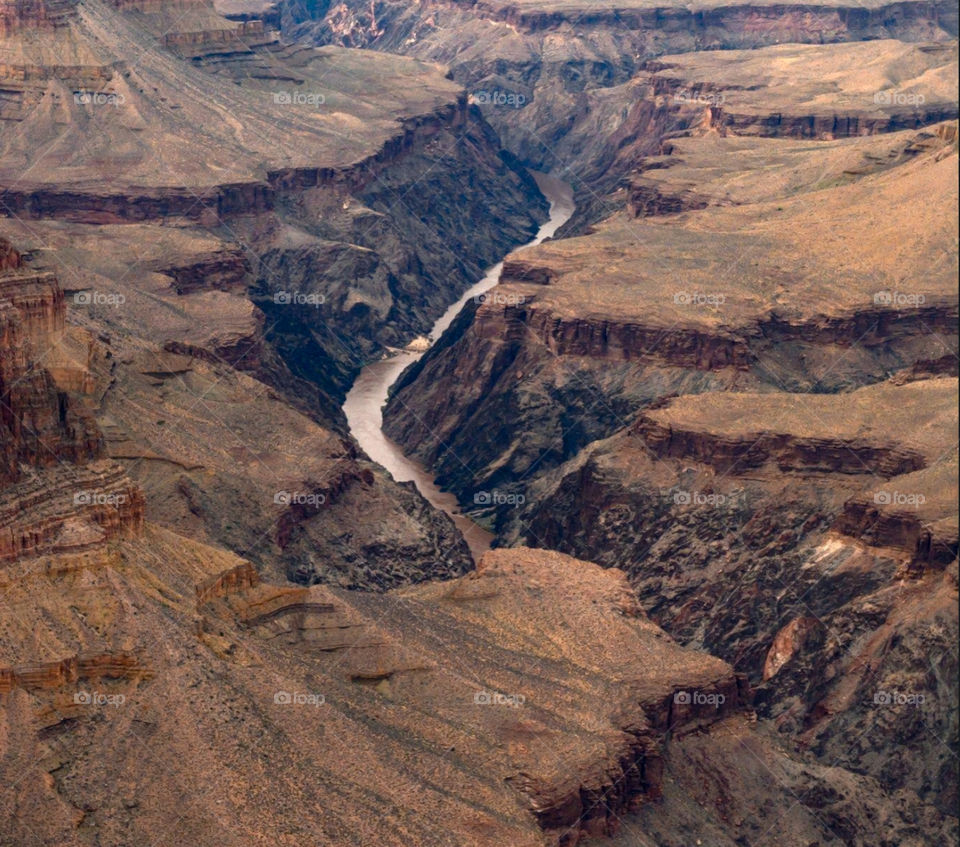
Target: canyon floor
{"type": "Point", "coordinates": [710, 424]}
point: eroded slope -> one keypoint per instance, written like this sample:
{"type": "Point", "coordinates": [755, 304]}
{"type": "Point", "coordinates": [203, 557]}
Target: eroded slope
{"type": "Point", "coordinates": [239, 225]}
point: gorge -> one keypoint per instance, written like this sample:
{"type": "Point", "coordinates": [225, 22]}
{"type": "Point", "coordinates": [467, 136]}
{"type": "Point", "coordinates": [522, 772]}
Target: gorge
{"type": "Point", "coordinates": [363, 406]}
{"type": "Point", "coordinates": [456, 424]}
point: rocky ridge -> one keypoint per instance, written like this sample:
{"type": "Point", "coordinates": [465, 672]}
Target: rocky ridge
{"type": "Point", "coordinates": [740, 390]}
{"type": "Point", "coordinates": [445, 697]}
{"type": "Point", "coordinates": [234, 224]}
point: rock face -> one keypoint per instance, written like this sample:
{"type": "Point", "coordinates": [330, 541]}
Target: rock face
{"type": "Point", "coordinates": [791, 103]}
{"type": "Point", "coordinates": [53, 676]}
{"type": "Point", "coordinates": [728, 390]}
{"type": "Point", "coordinates": [40, 425]}
{"type": "Point", "coordinates": [68, 509]}
{"type": "Point", "coordinates": [446, 697]}
{"type": "Point", "coordinates": [19, 15]}
{"type": "Point", "coordinates": [58, 494]}
{"type": "Point", "coordinates": [231, 259]}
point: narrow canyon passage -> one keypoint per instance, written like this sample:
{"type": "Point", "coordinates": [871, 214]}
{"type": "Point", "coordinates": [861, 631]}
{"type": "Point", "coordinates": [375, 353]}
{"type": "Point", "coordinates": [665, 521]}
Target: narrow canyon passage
{"type": "Point", "coordinates": [364, 404]}
{"type": "Point", "coordinates": [639, 528]}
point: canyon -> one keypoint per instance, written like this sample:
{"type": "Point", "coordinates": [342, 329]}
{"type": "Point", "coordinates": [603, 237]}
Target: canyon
{"type": "Point", "coordinates": [364, 403]}
{"type": "Point", "coordinates": [468, 423]}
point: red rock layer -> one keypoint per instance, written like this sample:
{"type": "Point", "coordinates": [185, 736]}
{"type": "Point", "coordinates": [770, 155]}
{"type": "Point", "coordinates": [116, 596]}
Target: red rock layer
{"type": "Point", "coordinates": [56, 497]}
{"type": "Point", "coordinates": [16, 15]}
{"type": "Point", "coordinates": [46, 676]}
{"type": "Point", "coordinates": [780, 125]}
{"type": "Point", "coordinates": [10, 259]}
{"type": "Point", "coordinates": [68, 508]}
{"type": "Point", "coordinates": [753, 25]}
{"type": "Point", "coordinates": [787, 452]}
{"type": "Point", "coordinates": [223, 270]}
{"type": "Point", "coordinates": [210, 205]}
{"type": "Point", "coordinates": [691, 347]}
{"type": "Point", "coordinates": [39, 425]}
{"type": "Point", "coordinates": [39, 300]}
{"type": "Point", "coordinates": [214, 36]}
{"type": "Point", "coordinates": [236, 579]}
{"type": "Point", "coordinates": [323, 494]}
{"type": "Point", "coordinates": [928, 546]}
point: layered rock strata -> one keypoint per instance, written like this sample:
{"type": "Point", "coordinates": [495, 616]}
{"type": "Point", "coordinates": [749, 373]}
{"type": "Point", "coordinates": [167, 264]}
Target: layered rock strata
{"type": "Point", "coordinates": [561, 82]}
{"type": "Point", "coordinates": [449, 688]}
{"type": "Point", "coordinates": [58, 493]}
{"type": "Point", "coordinates": [239, 224]}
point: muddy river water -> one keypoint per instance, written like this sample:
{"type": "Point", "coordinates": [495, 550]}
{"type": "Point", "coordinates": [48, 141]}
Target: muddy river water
{"type": "Point", "coordinates": [364, 404]}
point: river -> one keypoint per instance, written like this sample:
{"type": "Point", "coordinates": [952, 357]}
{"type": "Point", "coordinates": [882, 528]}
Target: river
{"type": "Point", "coordinates": [364, 404]}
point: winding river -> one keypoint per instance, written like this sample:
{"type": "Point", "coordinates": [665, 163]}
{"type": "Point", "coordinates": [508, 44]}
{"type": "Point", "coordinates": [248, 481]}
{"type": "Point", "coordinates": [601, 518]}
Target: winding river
{"type": "Point", "coordinates": [364, 404]}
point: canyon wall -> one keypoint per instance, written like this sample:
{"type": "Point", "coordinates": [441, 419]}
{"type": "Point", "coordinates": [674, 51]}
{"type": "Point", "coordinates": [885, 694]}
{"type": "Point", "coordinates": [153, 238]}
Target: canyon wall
{"type": "Point", "coordinates": [729, 390]}
{"type": "Point", "coordinates": [41, 425]}
{"type": "Point", "coordinates": [223, 300]}
{"type": "Point", "coordinates": [59, 493]}
{"type": "Point", "coordinates": [572, 72]}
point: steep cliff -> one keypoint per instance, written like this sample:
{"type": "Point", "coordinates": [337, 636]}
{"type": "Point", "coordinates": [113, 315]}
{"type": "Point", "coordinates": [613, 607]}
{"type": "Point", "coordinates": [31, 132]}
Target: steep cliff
{"type": "Point", "coordinates": [561, 82]}
{"type": "Point", "coordinates": [58, 493]}
{"type": "Point", "coordinates": [466, 710]}
{"type": "Point", "coordinates": [240, 225]}
{"type": "Point", "coordinates": [40, 425]}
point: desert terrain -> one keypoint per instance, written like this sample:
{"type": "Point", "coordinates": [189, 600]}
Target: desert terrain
{"type": "Point", "coordinates": [704, 415]}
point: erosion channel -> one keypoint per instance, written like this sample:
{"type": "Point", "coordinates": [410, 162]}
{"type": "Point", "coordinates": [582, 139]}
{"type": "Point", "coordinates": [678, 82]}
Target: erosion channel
{"type": "Point", "coordinates": [364, 404]}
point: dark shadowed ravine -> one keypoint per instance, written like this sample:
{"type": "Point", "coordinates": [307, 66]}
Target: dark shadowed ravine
{"type": "Point", "coordinates": [364, 404]}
